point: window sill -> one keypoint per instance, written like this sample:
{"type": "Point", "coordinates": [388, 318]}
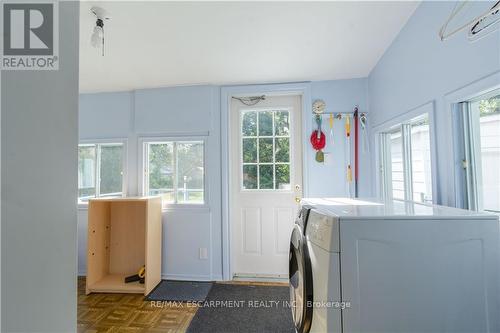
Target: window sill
{"type": "Point", "coordinates": [493, 212]}
{"type": "Point", "coordinates": [167, 208]}
{"type": "Point", "coordinates": [203, 208]}
{"type": "Point", "coordinates": [82, 206]}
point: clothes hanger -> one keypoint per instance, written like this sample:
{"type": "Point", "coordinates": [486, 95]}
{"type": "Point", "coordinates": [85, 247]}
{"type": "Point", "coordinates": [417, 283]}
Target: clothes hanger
{"type": "Point", "coordinates": [475, 30]}
{"type": "Point", "coordinates": [459, 5]}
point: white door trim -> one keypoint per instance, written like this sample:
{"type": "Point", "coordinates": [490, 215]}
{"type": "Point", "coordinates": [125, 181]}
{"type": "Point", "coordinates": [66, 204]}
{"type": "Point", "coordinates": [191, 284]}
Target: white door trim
{"type": "Point", "coordinates": [303, 89]}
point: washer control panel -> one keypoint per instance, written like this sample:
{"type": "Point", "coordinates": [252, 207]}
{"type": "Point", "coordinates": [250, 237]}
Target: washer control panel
{"type": "Point", "coordinates": [323, 230]}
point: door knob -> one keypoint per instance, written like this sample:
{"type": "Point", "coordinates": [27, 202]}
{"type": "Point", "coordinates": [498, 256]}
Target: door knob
{"type": "Point", "coordinates": [297, 193]}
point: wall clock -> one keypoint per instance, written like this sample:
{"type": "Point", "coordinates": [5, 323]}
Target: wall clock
{"type": "Point", "coordinates": [318, 106]}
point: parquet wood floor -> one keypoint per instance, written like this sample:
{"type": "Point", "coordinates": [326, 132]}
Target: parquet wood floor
{"type": "Point", "coordinates": [128, 313]}
{"type": "Point", "coordinates": [131, 313]}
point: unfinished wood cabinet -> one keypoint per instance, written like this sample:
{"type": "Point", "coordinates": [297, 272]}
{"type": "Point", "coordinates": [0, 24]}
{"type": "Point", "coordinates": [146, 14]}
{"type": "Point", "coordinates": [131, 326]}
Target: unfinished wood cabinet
{"type": "Point", "coordinates": [123, 235]}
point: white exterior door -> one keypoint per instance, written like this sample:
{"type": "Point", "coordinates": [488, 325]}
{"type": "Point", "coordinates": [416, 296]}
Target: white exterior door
{"type": "Point", "coordinates": [265, 184]}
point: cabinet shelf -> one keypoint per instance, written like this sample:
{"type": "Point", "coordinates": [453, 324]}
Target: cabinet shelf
{"type": "Point", "coordinates": [114, 283]}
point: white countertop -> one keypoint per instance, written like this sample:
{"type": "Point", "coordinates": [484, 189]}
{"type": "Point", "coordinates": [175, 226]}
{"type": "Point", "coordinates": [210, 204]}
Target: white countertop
{"type": "Point", "coordinates": [391, 209]}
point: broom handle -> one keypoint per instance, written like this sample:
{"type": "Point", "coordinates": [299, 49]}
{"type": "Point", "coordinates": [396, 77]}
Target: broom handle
{"type": "Point", "coordinates": [356, 166]}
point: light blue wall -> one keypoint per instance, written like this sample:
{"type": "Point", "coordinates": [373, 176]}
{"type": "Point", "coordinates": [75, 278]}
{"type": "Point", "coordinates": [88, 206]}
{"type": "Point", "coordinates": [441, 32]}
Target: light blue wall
{"type": "Point", "coordinates": [192, 111]}
{"type": "Point", "coordinates": [188, 111]}
{"type": "Point", "coordinates": [418, 68]}
{"type": "Point", "coordinates": [98, 111]}
{"type": "Point", "coordinates": [328, 180]}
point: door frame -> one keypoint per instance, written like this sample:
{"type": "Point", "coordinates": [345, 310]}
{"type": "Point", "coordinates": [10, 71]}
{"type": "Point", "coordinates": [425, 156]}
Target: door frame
{"type": "Point", "coordinates": [302, 89]}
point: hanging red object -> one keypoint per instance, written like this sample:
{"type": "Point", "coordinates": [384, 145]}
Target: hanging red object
{"type": "Point", "coordinates": [318, 141]}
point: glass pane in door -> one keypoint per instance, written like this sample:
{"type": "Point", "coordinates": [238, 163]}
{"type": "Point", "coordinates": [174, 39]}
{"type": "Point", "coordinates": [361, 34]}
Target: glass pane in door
{"type": "Point", "coordinates": [265, 150]}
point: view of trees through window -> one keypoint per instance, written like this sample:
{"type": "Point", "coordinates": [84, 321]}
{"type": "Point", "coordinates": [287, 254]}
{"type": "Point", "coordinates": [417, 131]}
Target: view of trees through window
{"type": "Point", "coordinates": [100, 170]}
{"type": "Point", "coordinates": [489, 106]}
{"type": "Point", "coordinates": [265, 146]}
{"type": "Point", "coordinates": [161, 170]}
{"type": "Point", "coordinates": [111, 174]}
{"type": "Point", "coordinates": [176, 171]}
{"type": "Point", "coordinates": [86, 171]}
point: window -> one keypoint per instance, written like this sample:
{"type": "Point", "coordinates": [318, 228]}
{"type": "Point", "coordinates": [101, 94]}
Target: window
{"type": "Point", "coordinates": [175, 171]}
{"type": "Point", "coordinates": [265, 150]}
{"type": "Point", "coordinates": [100, 170]}
{"type": "Point", "coordinates": [405, 161]}
{"type": "Point", "coordinates": [397, 174]}
{"type": "Point", "coordinates": [481, 161]}
{"type": "Point", "coordinates": [421, 161]}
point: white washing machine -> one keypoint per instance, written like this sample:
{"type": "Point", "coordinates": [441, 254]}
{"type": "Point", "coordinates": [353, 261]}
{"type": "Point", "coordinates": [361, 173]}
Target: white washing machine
{"type": "Point", "coordinates": [315, 273]}
{"type": "Point", "coordinates": [396, 266]}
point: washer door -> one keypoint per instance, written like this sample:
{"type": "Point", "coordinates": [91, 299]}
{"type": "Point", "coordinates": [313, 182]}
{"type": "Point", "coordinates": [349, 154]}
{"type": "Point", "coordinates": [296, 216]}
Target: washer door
{"type": "Point", "coordinates": [301, 283]}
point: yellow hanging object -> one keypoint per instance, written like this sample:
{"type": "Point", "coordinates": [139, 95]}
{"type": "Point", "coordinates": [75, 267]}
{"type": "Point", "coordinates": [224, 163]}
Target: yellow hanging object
{"type": "Point", "coordinates": [142, 272]}
{"type": "Point", "coordinates": [331, 128]}
{"type": "Point", "coordinates": [347, 127]}
{"type": "Point", "coordinates": [349, 174]}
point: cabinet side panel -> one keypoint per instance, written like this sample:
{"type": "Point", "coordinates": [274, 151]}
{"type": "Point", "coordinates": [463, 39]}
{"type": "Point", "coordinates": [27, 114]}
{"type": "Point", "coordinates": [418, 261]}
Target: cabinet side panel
{"type": "Point", "coordinates": [98, 241]}
{"type": "Point", "coordinates": [153, 244]}
{"type": "Point", "coordinates": [420, 275]}
{"type": "Point", "coordinates": [127, 253]}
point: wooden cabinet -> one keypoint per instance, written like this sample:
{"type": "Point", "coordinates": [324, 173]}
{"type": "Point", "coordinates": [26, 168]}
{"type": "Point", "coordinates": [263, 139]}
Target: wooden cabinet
{"type": "Point", "coordinates": [123, 235]}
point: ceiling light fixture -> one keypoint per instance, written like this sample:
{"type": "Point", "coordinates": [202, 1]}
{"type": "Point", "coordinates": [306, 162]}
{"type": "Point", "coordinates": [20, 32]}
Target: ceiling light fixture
{"type": "Point", "coordinates": [97, 38]}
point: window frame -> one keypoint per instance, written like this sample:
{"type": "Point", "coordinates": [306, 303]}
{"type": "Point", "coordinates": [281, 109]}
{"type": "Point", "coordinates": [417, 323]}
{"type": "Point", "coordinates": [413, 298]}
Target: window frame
{"type": "Point", "coordinates": [455, 183]}
{"type": "Point", "coordinates": [469, 150]}
{"type": "Point", "coordinates": [143, 168]}
{"type": "Point", "coordinates": [383, 160]}
{"type": "Point", "coordinates": [106, 142]}
{"type": "Point", "coordinates": [274, 163]}
{"type": "Point", "coordinates": [385, 167]}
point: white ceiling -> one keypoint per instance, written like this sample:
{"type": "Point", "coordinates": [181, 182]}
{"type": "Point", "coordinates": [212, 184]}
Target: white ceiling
{"type": "Point", "coordinates": [155, 44]}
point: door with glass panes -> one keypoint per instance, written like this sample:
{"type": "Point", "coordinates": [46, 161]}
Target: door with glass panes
{"type": "Point", "coordinates": [265, 184]}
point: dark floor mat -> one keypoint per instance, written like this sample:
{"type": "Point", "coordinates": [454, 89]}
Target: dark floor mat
{"type": "Point", "coordinates": [181, 291]}
{"type": "Point", "coordinates": [243, 308]}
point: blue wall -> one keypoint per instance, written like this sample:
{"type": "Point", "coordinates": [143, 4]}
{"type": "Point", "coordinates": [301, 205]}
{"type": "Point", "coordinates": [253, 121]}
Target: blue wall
{"type": "Point", "coordinates": [418, 72]}
{"type": "Point", "coordinates": [191, 111]}
{"type": "Point", "coordinates": [329, 179]}
{"type": "Point", "coordinates": [195, 110]}
{"type": "Point", "coordinates": [419, 68]}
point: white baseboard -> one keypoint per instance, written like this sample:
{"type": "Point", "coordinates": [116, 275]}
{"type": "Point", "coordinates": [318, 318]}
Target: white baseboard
{"type": "Point", "coordinates": [260, 278]}
{"type": "Point", "coordinates": [187, 277]}
{"type": "Point", "coordinates": [180, 277]}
